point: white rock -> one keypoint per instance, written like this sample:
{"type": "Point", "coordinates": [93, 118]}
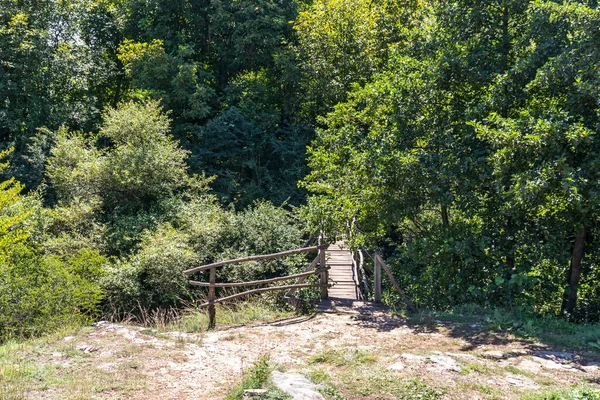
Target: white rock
{"type": "Point", "coordinates": [521, 381]}
{"type": "Point", "coordinates": [398, 366]}
{"type": "Point", "coordinates": [444, 363]}
{"type": "Point", "coordinates": [549, 364]}
{"type": "Point", "coordinates": [529, 365]}
{"type": "Point", "coordinates": [296, 385]}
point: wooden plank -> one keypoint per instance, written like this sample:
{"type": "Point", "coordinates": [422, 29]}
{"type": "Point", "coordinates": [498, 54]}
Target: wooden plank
{"type": "Point", "coordinates": [409, 303]}
{"type": "Point", "coordinates": [261, 282]}
{"type": "Point", "coordinates": [260, 290]}
{"type": "Point", "coordinates": [255, 258]}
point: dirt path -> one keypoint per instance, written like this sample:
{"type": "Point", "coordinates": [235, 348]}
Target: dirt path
{"type": "Point", "coordinates": [349, 350]}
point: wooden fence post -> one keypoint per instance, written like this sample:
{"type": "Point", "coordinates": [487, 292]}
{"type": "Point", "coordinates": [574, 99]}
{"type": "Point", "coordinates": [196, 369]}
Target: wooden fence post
{"type": "Point", "coordinates": [377, 279]}
{"type": "Point", "coordinates": [211, 299]}
{"type": "Point", "coordinates": [324, 275]}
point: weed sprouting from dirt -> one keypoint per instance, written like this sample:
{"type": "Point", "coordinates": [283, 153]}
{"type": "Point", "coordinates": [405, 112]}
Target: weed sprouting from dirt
{"type": "Point", "coordinates": [257, 377]}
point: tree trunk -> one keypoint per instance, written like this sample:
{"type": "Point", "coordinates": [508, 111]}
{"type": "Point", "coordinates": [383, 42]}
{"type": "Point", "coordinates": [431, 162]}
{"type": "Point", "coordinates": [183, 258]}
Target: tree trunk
{"type": "Point", "coordinates": [510, 262]}
{"type": "Point", "coordinates": [570, 294]}
{"type": "Point", "coordinates": [445, 218]}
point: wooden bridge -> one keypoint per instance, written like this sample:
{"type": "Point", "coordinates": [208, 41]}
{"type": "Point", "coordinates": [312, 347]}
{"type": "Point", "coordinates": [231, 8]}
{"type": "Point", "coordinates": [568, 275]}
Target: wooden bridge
{"type": "Point", "coordinates": [340, 270]}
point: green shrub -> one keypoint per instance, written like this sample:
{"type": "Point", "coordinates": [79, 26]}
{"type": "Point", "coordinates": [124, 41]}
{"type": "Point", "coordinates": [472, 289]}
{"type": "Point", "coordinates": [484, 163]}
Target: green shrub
{"type": "Point", "coordinates": [262, 229]}
{"type": "Point", "coordinates": [201, 232]}
{"type": "Point", "coordinates": [152, 277]}
{"type": "Point", "coordinates": [69, 228]}
{"type": "Point", "coordinates": [41, 293]}
{"type": "Point", "coordinates": [143, 163]}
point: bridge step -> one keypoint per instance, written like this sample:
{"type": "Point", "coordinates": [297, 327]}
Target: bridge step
{"type": "Point", "coordinates": [341, 274]}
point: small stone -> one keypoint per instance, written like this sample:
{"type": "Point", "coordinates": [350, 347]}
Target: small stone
{"type": "Point", "coordinates": [254, 393]}
{"type": "Point", "coordinates": [87, 349]}
{"type": "Point", "coordinates": [493, 355]}
{"type": "Point", "coordinates": [398, 366]}
{"type": "Point", "coordinates": [68, 338]}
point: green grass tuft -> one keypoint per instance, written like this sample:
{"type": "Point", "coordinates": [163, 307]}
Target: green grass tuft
{"type": "Point", "coordinates": [257, 377]}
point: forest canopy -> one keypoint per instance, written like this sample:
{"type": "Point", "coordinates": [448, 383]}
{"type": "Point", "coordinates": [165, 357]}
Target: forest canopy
{"type": "Point", "coordinates": [460, 138]}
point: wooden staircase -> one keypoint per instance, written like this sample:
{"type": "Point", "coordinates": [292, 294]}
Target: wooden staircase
{"type": "Point", "coordinates": [342, 274]}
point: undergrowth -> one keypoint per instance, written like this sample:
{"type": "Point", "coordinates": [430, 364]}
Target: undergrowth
{"type": "Point", "coordinates": [549, 330]}
{"type": "Point", "coordinates": [572, 394]}
{"type": "Point", "coordinates": [193, 319]}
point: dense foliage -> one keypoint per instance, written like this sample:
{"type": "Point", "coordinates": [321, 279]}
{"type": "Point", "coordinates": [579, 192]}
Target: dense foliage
{"type": "Point", "coordinates": [475, 145]}
{"type": "Point", "coordinates": [460, 137]}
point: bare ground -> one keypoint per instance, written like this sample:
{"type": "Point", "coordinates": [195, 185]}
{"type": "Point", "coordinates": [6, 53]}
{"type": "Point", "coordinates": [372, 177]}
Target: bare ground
{"type": "Point", "coordinates": [363, 355]}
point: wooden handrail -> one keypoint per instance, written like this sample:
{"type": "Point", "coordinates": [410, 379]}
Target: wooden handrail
{"type": "Point", "coordinates": [409, 303]}
{"type": "Point", "coordinates": [212, 285]}
{"type": "Point", "coordinates": [222, 299]}
{"type": "Point", "coordinates": [311, 267]}
{"type": "Point", "coordinates": [256, 258]}
{"type": "Point", "coordinates": [261, 282]}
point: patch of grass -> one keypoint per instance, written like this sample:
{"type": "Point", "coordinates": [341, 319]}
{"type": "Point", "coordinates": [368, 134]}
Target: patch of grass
{"type": "Point", "coordinates": [514, 370]}
{"type": "Point", "coordinates": [365, 381]}
{"type": "Point", "coordinates": [234, 336]}
{"type": "Point", "coordinates": [196, 320]}
{"type": "Point", "coordinates": [257, 377]}
{"type": "Point", "coordinates": [570, 394]}
{"type": "Point", "coordinates": [547, 329]}
{"type": "Point", "coordinates": [351, 373]}
{"type": "Point", "coordinates": [330, 392]}
{"type": "Point", "coordinates": [30, 365]}
{"type": "Point", "coordinates": [17, 375]}
{"type": "Point", "coordinates": [318, 376]}
{"type": "Point", "coordinates": [340, 357]}
{"type": "Point", "coordinates": [326, 387]}
{"type": "Point", "coordinates": [481, 388]}
{"type": "Point", "coordinates": [416, 389]}
{"type": "Point", "coordinates": [480, 368]}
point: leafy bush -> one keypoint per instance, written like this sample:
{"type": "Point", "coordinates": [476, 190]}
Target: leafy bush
{"type": "Point", "coordinates": [75, 167]}
{"type": "Point", "coordinates": [40, 293]}
{"type": "Point", "coordinates": [69, 228]}
{"type": "Point", "coordinates": [126, 191]}
{"type": "Point", "coordinates": [152, 277]}
{"type": "Point", "coordinates": [201, 232]}
{"type": "Point", "coordinates": [143, 163]}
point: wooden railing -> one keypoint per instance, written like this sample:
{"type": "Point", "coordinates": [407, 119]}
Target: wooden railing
{"type": "Point", "coordinates": [322, 271]}
{"type": "Point", "coordinates": [379, 263]}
